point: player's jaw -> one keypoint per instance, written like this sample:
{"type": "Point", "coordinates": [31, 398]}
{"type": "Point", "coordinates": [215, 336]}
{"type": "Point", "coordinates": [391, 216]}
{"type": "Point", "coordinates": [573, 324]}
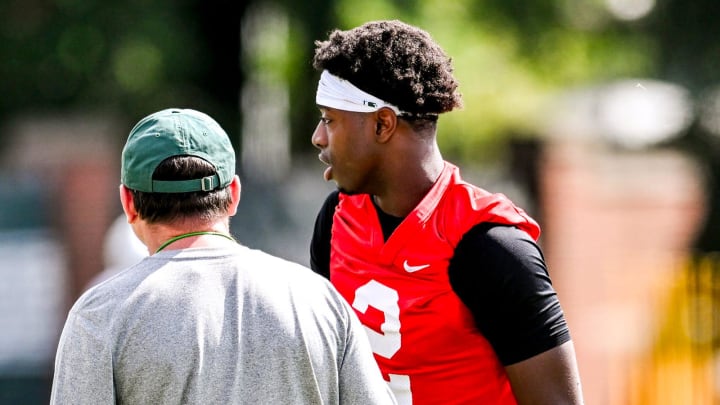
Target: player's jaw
{"type": "Point", "coordinates": [334, 173]}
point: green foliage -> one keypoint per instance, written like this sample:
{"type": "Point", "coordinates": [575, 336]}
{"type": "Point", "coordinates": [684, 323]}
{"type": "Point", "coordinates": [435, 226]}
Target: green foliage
{"type": "Point", "coordinates": [511, 56]}
{"type": "Point", "coordinates": [94, 54]}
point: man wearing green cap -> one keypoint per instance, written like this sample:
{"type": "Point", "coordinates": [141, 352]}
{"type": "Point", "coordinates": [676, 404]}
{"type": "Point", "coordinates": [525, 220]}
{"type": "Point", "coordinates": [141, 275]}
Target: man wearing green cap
{"type": "Point", "coordinates": [203, 319]}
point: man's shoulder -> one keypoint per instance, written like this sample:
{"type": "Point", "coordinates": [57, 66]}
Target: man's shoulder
{"type": "Point", "coordinates": [279, 269]}
{"type": "Point", "coordinates": [96, 308]}
{"type": "Point", "coordinates": [103, 297]}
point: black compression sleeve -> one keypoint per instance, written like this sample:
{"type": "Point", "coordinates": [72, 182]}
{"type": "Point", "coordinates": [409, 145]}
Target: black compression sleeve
{"type": "Point", "coordinates": [499, 272]}
{"type": "Point", "coordinates": [320, 243]}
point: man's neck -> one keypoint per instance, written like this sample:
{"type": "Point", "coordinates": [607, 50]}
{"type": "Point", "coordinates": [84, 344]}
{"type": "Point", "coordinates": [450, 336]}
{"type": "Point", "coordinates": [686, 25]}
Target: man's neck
{"type": "Point", "coordinates": [198, 235]}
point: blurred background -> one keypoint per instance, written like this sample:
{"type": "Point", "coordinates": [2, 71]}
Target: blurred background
{"type": "Point", "coordinates": [600, 117]}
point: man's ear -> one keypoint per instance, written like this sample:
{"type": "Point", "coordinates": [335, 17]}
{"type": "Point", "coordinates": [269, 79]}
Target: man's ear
{"type": "Point", "coordinates": [386, 123]}
{"type": "Point", "coordinates": [128, 204]}
{"type": "Point", "coordinates": [235, 189]}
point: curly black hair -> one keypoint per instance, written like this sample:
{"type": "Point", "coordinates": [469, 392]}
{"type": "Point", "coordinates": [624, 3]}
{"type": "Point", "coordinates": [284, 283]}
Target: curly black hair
{"type": "Point", "coordinates": [394, 61]}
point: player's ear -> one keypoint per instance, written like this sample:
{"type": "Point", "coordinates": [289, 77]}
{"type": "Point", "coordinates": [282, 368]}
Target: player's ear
{"type": "Point", "coordinates": [385, 124]}
{"type": "Point", "coordinates": [128, 204]}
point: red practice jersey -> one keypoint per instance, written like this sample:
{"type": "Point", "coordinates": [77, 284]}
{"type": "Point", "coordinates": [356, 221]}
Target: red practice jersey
{"type": "Point", "coordinates": [424, 338]}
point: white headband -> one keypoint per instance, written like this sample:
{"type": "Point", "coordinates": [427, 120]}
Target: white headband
{"type": "Point", "coordinates": [335, 92]}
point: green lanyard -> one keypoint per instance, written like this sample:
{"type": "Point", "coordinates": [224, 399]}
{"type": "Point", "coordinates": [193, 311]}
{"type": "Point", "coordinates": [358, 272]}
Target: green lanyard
{"type": "Point", "coordinates": [189, 234]}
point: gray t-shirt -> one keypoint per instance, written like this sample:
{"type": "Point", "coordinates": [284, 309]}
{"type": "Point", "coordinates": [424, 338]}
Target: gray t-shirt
{"type": "Point", "coordinates": [215, 326]}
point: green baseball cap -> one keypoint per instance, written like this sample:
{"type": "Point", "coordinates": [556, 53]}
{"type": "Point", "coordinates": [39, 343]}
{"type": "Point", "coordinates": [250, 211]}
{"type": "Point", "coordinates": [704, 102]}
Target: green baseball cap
{"type": "Point", "coordinates": [176, 132]}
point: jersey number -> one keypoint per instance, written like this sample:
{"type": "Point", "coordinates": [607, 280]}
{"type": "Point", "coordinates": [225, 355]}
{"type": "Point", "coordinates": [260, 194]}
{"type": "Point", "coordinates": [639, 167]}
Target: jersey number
{"type": "Point", "coordinates": [385, 344]}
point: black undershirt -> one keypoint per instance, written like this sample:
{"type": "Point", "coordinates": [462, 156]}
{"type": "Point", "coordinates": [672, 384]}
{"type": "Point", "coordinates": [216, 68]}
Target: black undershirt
{"type": "Point", "coordinates": [497, 271]}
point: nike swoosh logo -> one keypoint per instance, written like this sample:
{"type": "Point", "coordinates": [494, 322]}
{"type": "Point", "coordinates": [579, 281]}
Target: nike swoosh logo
{"type": "Point", "coordinates": [413, 269]}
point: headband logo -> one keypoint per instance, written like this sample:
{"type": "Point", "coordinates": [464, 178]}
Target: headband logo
{"type": "Point", "coordinates": [369, 103]}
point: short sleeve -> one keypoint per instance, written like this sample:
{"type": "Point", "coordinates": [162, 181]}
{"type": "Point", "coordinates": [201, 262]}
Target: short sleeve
{"type": "Point", "coordinates": [83, 364]}
{"type": "Point", "coordinates": [499, 272]}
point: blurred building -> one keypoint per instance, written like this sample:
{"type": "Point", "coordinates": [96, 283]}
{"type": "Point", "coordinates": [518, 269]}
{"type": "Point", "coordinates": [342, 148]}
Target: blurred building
{"type": "Point", "coordinates": [621, 212]}
{"type": "Point", "coordinates": [58, 194]}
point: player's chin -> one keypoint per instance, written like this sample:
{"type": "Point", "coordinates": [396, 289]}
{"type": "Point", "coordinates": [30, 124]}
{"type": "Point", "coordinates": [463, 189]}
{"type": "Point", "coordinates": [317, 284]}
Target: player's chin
{"type": "Point", "coordinates": [342, 188]}
{"type": "Point", "coordinates": [345, 186]}
{"type": "Point", "coordinates": [346, 190]}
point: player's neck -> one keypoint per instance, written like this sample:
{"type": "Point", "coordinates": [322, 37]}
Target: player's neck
{"type": "Point", "coordinates": [408, 187]}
